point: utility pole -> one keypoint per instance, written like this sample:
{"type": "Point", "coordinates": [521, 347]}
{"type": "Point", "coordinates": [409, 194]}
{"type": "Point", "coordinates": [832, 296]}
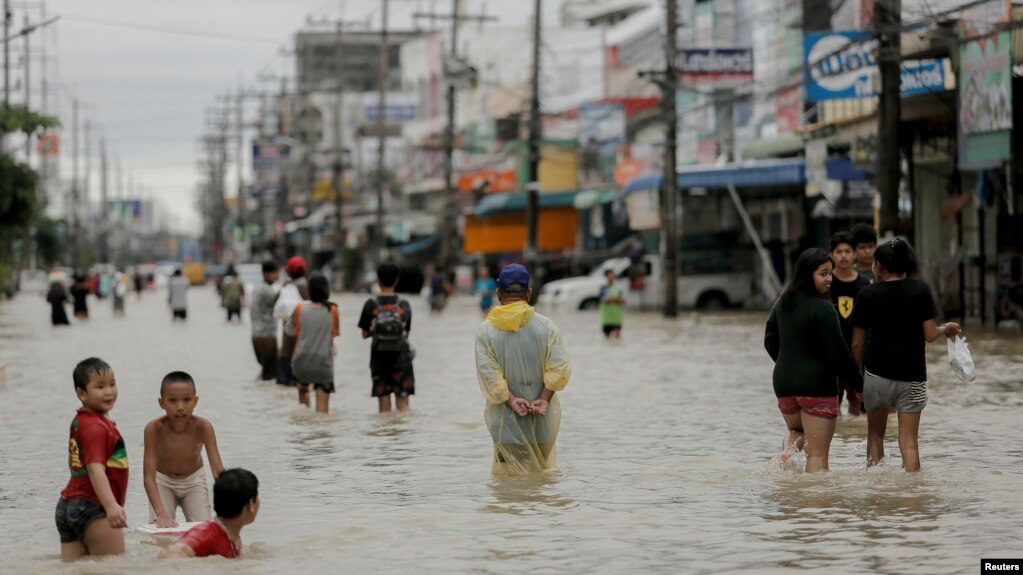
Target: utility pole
{"type": "Point", "coordinates": [75, 224]}
{"type": "Point", "coordinates": [104, 238]}
{"type": "Point", "coordinates": [888, 23]}
{"type": "Point", "coordinates": [447, 228]}
{"type": "Point", "coordinates": [339, 168]}
{"type": "Point", "coordinates": [669, 231]}
{"type": "Point", "coordinates": [533, 187]}
{"type": "Point", "coordinates": [385, 61]}
{"type": "Point", "coordinates": [447, 231]}
{"type": "Point", "coordinates": [239, 165]}
{"type": "Point", "coordinates": [88, 170]}
{"type": "Point", "coordinates": [7, 52]}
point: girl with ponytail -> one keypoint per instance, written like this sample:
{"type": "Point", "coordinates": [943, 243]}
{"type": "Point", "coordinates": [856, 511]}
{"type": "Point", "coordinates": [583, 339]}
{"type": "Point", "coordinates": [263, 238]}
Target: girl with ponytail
{"type": "Point", "coordinates": [896, 315]}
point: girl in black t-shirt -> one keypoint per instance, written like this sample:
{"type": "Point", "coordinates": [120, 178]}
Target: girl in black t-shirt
{"type": "Point", "coordinates": [898, 312]}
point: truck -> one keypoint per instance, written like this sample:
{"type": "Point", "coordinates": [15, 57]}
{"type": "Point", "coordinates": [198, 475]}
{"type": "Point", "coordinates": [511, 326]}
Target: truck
{"type": "Point", "coordinates": [700, 287]}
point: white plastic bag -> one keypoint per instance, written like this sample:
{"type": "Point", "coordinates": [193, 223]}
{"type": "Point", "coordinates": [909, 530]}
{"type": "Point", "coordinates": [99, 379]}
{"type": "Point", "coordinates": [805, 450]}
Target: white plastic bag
{"type": "Point", "coordinates": [960, 359]}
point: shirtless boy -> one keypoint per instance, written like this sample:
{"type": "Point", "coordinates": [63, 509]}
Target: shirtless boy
{"type": "Point", "coordinates": [172, 466]}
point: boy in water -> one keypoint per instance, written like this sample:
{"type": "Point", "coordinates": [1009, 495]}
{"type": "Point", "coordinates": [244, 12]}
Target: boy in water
{"type": "Point", "coordinates": [388, 319]}
{"type": "Point", "coordinates": [611, 302]}
{"type": "Point", "coordinates": [172, 468]}
{"type": "Point", "coordinates": [177, 296]}
{"type": "Point", "coordinates": [264, 329]}
{"type": "Point", "coordinates": [236, 501]}
{"type": "Point", "coordinates": [846, 284]}
{"type": "Point", "coordinates": [90, 512]}
{"type": "Point", "coordinates": [864, 241]}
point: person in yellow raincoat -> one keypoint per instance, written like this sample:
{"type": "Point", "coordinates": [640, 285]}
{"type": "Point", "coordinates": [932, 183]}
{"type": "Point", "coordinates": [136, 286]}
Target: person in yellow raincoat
{"type": "Point", "coordinates": [521, 363]}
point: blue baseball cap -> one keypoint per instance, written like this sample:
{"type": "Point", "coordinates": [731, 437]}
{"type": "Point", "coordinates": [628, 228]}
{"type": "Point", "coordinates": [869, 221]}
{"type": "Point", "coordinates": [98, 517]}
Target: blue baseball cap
{"type": "Point", "coordinates": [512, 274]}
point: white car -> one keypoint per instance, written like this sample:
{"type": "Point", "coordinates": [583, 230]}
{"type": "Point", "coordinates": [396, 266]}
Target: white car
{"type": "Point", "coordinates": [704, 290]}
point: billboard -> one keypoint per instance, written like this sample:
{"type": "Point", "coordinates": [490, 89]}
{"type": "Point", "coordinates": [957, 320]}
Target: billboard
{"type": "Point", "coordinates": [715, 67]}
{"type": "Point", "coordinates": [393, 112]}
{"type": "Point", "coordinates": [985, 86]}
{"type": "Point", "coordinates": [840, 65]}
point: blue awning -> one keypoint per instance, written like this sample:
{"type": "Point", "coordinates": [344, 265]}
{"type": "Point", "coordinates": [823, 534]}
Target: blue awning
{"type": "Point", "coordinates": [420, 244]}
{"type": "Point", "coordinates": [493, 204]}
{"type": "Point", "coordinates": [755, 174]}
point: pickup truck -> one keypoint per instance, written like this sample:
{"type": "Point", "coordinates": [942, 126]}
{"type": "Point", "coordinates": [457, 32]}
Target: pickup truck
{"type": "Point", "coordinates": [714, 290]}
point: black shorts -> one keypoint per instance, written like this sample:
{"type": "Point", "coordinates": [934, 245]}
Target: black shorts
{"type": "Point", "coordinates": [324, 387]}
{"type": "Point", "coordinates": [608, 329]}
{"type": "Point", "coordinates": [74, 516]}
{"type": "Point", "coordinates": [392, 373]}
{"type": "Point", "coordinates": [180, 314]}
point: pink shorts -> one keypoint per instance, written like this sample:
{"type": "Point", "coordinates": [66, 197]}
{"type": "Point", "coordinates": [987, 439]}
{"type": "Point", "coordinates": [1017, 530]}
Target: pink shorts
{"type": "Point", "coordinates": [826, 407]}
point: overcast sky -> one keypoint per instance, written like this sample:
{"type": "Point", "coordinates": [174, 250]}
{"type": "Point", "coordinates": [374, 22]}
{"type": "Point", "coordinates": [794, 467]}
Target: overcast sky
{"type": "Point", "coordinates": [145, 90]}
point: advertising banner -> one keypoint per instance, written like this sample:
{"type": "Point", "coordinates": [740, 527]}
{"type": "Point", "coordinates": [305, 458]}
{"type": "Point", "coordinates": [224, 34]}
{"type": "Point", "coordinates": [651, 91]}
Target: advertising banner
{"type": "Point", "coordinates": [841, 65]}
{"type": "Point", "coordinates": [715, 67]}
{"type": "Point", "coordinates": [985, 86]}
{"type": "Point", "coordinates": [394, 113]}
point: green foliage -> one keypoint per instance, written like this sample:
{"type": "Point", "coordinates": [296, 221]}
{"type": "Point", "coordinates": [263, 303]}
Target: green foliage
{"type": "Point", "coordinates": [17, 198]}
{"type": "Point", "coordinates": [49, 241]}
{"type": "Point", "coordinates": [18, 118]}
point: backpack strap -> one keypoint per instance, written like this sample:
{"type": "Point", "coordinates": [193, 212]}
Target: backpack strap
{"type": "Point", "coordinates": [336, 326]}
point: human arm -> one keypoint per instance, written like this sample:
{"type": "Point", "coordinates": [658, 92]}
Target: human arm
{"type": "Point", "coordinates": [859, 338]}
{"type": "Point", "coordinates": [175, 551]}
{"type": "Point", "coordinates": [209, 441]}
{"type": "Point", "coordinates": [933, 332]}
{"type": "Point", "coordinates": [149, 464]}
{"type": "Point", "coordinates": [772, 338]}
{"type": "Point", "coordinates": [556, 368]}
{"type": "Point", "coordinates": [367, 322]}
{"type": "Point", "coordinates": [101, 485]}
{"type": "Point", "coordinates": [489, 372]}
{"type": "Point", "coordinates": [838, 354]}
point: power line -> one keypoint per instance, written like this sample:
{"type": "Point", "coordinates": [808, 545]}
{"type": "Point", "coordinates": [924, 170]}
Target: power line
{"type": "Point", "coordinates": [138, 26]}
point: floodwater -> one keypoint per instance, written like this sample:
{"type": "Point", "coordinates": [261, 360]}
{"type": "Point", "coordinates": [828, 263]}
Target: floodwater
{"type": "Point", "coordinates": [666, 458]}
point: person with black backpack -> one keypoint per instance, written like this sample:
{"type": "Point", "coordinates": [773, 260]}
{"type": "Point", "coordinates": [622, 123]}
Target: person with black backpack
{"type": "Point", "coordinates": [387, 319]}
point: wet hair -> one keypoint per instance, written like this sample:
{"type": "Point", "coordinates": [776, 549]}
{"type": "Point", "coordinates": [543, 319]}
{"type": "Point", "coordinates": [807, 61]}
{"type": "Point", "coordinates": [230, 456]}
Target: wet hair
{"type": "Point", "coordinates": [176, 377]}
{"type": "Point", "coordinates": [896, 256]}
{"type": "Point", "coordinates": [388, 274]}
{"type": "Point", "coordinates": [270, 266]}
{"type": "Point", "coordinates": [802, 277]}
{"type": "Point", "coordinates": [842, 238]}
{"type": "Point", "coordinates": [863, 234]}
{"type": "Point", "coordinates": [233, 490]}
{"type": "Point", "coordinates": [177, 272]}
{"type": "Point", "coordinates": [86, 369]}
{"type": "Point", "coordinates": [319, 288]}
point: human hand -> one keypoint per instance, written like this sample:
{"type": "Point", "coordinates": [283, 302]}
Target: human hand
{"type": "Point", "coordinates": [952, 329]}
{"type": "Point", "coordinates": [518, 405]}
{"type": "Point", "coordinates": [116, 516]}
{"type": "Point", "coordinates": [539, 407]}
{"type": "Point", "coordinates": [163, 521]}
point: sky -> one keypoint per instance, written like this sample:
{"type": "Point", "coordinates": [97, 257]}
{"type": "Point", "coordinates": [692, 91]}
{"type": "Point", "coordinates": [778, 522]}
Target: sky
{"type": "Point", "coordinates": [146, 90]}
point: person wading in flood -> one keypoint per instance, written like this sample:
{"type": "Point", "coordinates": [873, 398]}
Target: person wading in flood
{"type": "Point", "coordinates": [521, 363]}
{"type": "Point", "coordinates": [804, 339]}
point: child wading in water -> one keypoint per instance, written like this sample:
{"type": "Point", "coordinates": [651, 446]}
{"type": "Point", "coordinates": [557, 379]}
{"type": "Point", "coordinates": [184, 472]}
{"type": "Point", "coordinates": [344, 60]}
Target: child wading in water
{"type": "Point", "coordinates": [611, 302]}
{"type": "Point", "coordinates": [314, 324]}
{"type": "Point", "coordinates": [388, 319]}
{"type": "Point", "coordinates": [90, 512]}
{"type": "Point", "coordinates": [172, 467]}
{"type": "Point", "coordinates": [236, 501]}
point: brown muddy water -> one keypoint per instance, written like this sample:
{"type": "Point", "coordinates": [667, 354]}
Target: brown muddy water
{"type": "Point", "coordinates": [666, 457]}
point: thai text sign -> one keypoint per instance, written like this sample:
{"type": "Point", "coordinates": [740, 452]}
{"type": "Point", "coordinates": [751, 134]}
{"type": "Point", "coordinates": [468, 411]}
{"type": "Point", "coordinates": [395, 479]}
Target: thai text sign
{"type": "Point", "coordinates": [715, 67]}
{"type": "Point", "coordinates": [843, 65]}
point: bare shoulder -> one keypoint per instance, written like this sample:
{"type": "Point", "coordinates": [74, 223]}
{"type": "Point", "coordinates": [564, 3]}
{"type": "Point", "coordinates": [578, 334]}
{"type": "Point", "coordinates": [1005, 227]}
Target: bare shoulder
{"type": "Point", "coordinates": [202, 424]}
{"type": "Point", "coordinates": [155, 426]}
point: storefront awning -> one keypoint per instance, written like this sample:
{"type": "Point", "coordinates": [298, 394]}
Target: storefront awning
{"type": "Point", "coordinates": [586, 199]}
{"type": "Point", "coordinates": [493, 204]}
{"type": "Point", "coordinates": [419, 245]}
{"type": "Point", "coordinates": [757, 174]}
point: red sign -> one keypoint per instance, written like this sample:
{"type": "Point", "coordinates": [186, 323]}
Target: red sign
{"type": "Point", "coordinates": [48, 144]}
{"type": "Point", "coordinates": [494, 180]}
{"type": "Point", "coordinates": [789, 110]}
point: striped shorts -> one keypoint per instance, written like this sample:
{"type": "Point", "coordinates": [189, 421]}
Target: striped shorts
{"type": "Point", "coordinates": [883, 393]}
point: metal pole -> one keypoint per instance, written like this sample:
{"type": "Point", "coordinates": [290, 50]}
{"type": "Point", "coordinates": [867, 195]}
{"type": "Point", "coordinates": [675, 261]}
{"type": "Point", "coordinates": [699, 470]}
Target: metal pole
{"type": "Point", "coordinates": [87, 156]}
{"type": "Point", "coordinates": [888, 17]}
{"type": "Point", "coordinates": [339, 180]}
{"type": "Point", "coordinates": [30, 243]}
{"type": "Point", "coordinates": [381, 237]}
{"type": "Point", "coordinates": [533, 189]}
{"type": "Point", "coordinates": [74, 186]}
{"type": "Point", "coordinates": [239, 165]}
{"type": "Point", "coordinates": [104, 243]}
{"type": "Point", "coordinates": [670, 194]}
{"type": "Point", "coordinates": [7, 53]}
{"type": "Point", "coordinates": [448, 199]}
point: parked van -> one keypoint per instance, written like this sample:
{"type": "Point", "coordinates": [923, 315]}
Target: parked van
{"type": "Point", "coordinates": [712, 287]}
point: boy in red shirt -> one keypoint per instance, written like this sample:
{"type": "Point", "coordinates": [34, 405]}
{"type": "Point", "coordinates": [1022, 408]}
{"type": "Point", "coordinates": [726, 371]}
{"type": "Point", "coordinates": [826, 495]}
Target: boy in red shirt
{"type": "Point", "coordinates": [90, 512]}
{"type": "Point", "coordinates": [236, 501]}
